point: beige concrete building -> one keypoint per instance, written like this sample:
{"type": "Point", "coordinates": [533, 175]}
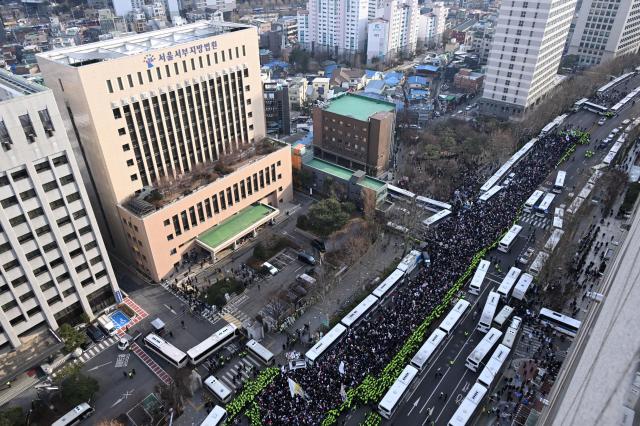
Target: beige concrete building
{"type": "Point", "coordinates": [154, 108]}
{"type": "Point", "coordinates": [54, 264]}
{"type": "Point", "coordinates": [220, 210]}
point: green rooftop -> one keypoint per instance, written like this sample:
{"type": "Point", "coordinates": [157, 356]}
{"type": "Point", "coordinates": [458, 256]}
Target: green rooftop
{"type": "Point", "coordinates": [358, 107]}
{"type": "Point", "coordinates": [235, 225]}
{"type": "Point", "coordinates": [344, 173]}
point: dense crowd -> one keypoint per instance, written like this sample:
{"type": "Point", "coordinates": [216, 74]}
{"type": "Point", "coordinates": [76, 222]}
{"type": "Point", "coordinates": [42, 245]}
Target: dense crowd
{"type": "Point", "coordinates": [369, 347]}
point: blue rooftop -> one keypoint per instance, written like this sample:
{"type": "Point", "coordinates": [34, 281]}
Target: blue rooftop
{"type": "Point", "coordinates": [429, 68]}
{"type": "Point", "coordinates": [416, 79]}
{"type": "Point", "coordinates": [370, 73]}
{"type": "Point", "coordinates": [393, 78]}
{"type": "Point", "coordinates": [329, 69]}
{"type": "Point", "coordinates": [375, 86]}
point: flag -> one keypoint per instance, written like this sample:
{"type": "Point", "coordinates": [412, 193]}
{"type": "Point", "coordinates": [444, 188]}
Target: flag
{"type": "Point", "coordinates": [343, 393]}
{"type": "Point", "coordinates": [295, 388]}
{"type": "Point", "coordinates": [341, 368]}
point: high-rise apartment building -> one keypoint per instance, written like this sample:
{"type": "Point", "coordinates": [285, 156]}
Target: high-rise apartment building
{"type": "Point", "coordinates": [525, 54]}
{"type": "Point", "coordinates": [167, 121]}
{"type": "Point", "coordinates": [54, 264]}
{"type": "Point", "coordinates": [338, 26]}
{"type": "Point", "coordinates": [395, 31]}
{"type": "Point", "coordinates": [605, 29]}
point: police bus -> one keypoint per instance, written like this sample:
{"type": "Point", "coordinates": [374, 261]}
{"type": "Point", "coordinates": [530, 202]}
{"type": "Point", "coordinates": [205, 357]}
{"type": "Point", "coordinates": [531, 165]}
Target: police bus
{"type": "Point", "coordinates": [361, 311]}
{"type": "Point", "coordinates": [212, 344]}
{"type": "Point", "coordinates": [481, 351]}
{"type": "Point", "coordinates": [478, 277]}
{"type": "Point", "coordinates": [218, 389]}
{"type": "Point", "coordinates": [509, 238]}
{"type": "Point", "coordinates": [512, 332]}
{"type": "Point", "coordinates": [216, 417]}
{"type": "Point", "coordinates": [392, 398]}
{"type": "Point", "coordinates": [559, 322]}
{"type": "Point", "coordinates": [490, 193]}
{"type": "Point", "coordinates": [468, 406]}
{"type": "Point", "coordinates": [166, 350]}
{"type": "Point", "coordinates": [508, 282]}
{"type": "Point", "coordinates": [532, 200]}
{"type": "Point", "coordinates": [488, 312]}
{"type": "Point", "coordinates": [75, 416]}
{"type": "Point", "coordinates": [260, 352]}
{"type": "Point", "coordinates": [325, 343]}
{"type": "Point", "coordinates": [545, 204]}
{"type": "Point", "coordinates": [426, 351]}
{"type": "Point", "coordinates": [503, 315]}
{"type": "Point", "coordinates": [389, 283]}
{"type": "Point", "coordinates": [494, 365]}
{"type": "Point", "coordinates": [454, 316]}
{"type": "Point", "coordinates": [558, 186]}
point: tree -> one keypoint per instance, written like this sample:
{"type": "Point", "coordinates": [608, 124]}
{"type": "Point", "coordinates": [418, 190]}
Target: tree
{"type": "Point", "coordinates": [72, 338]}
{"type": "Point", "coordinates": [300, 58]}
{"type": "Point", "coordinates": [77, 388]}
{"type": "Point", "coordinates": [327, 216]}
{"type": "Point", "coordinates": [12, 416]}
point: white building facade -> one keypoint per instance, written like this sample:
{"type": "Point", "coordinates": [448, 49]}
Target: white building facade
{"type": "Point", "coordinates": [339, 26]}
{"type": "Point", "coordinates": [54, 263]}
{"type": "Point", "coordinates": [395, 31]}
{"type": "Point", "coordinates": [605, 29]}
{"type": "Point", "coordinates": [525, 54]}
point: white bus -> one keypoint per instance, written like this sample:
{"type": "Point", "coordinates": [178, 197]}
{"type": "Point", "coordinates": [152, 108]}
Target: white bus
{"type": "Point", "coordinates": [75, 416]}
{"type": "Point", "coordinates": [325, 343]}
{"type": "Point", "coordinates": [494, 365]}
{"type": "Point", "coordinates": [166, 350]}
{"type": "Point", "coordinates": [532, 200]}
{"type": "Point", "coordinates": [432, 220]}
{"type": "Point", "coordinates": [558, 217]}
{"type": "Point", "coordinates": [262, 353]}
{"type": "Point", "coordinates": [558, 186]}
{"type": "Point", "coordinates": [431, 204]}
{"type": "Point", "coordinates": [389, 283]}
{"type": "Point", "coordinates": [481, 351]}
{"type": "Point", "coordinates": [538, 263]}
{"type": "Point", "coordinates": [361, 311]}
{"type": "Point", "coordinates": [399, 193]}
{"type": "Point", "coordinates": [212, 344]}
{"type": "Point", "coordinates": [512, 332]}
{"type": "Point", "coordinates": [503, 315]}
{"type": "Point", "coordinates": [522, 286]}
{"type": "Point", "coordinates": [509, 238]}
{"type": "Point", "coordinates": [216, 417]}
{"type": "Point", "coordinates": [218, 389]}
{"type": "Point", "coordinates": [559, 322]}
{"type": "Point", "coordinates": [488, 312]}
{"type": "Point", "coordinates": [392, 398]}
{"type": "Point", "coordinates": [410, 261]}
{"type": "Point", "coordinates": [478, 277]}
{"type": "Point", "coordinates": [454, 316]}
{"type": "Point", "coordinates": [426, 351]}
{"type": "Point", "coordinates": [508, 282]}
{"type": "Point", "coordinates": [468, 406]}
{"type": "Point", "coordinates": [543, 207]}
{"type": "Point", "coordinates": [490, 193]}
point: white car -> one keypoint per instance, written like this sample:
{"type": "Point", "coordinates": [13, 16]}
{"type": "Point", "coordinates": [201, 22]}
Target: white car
{"type": "Point", "coordinates": [468, 108]}
{"type": "Point", "coordinates": [625, 122]}
{"type": "Point", "coordinates": [602, 121]}
{"type": "Point", "coordinates": [615, 131]}
{"type": "Point", "coordinates": [269, 267]}
{"type": "Point", "coordinates": [460, 112]}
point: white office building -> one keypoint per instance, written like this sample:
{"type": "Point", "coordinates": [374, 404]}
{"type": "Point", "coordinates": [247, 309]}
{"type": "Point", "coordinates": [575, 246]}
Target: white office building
{"type": "Point", "coordinates": [338, 26]}
{"type": "Point", "coordinates": [395, 31]}
{"type": "Point", "coordinates": [525, 54]}
{"type": "Point", "coordinates": [54, 263]}
{"type": "Point", "coordinates": [605, 29]}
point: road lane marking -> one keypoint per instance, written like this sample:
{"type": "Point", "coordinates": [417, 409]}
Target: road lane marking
{"type": "Point", "coordinates": [454, 389]}
{"type": "Point", "coordinates": [98, 366]}
{"type": "Point", "coordinates": [415, 404]}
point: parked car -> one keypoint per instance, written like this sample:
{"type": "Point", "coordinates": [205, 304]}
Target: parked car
{"type": "Point", "coordinates": [318, 244]}
{"type": "Point", "coordinates": [270, 268]}
{"type": "Point", "coordinates": [526, 256]}
{"type": "Point", "coordinates": [625, 122]}
{"type": "Point", "coordinates": [86, 344]}
{"type": "Point", "coordinates": [306, 258]}
{"type": "Point", "coordinates": [95, 334]}
{"type": "Point", "coordinates": [125, 342]}
{"type": "Point", "coordinates": [602, 121]}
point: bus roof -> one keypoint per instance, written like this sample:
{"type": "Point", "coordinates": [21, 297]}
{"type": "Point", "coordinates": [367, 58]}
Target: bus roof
{"type": "Point", "coordinates": [357, 312]}
{"type": "Point", "coordinates": [215, 417]}
{"type": "Point", "coordinates": [326, 341]}
{"type": "Point", "coordinates": [533, 198]}
{"type": "Point", "coordinates": [210, 341]}
{"type": "Point", "coordinates": [396, 390]}
{"type": "Point", "coordinates": [388, 283]}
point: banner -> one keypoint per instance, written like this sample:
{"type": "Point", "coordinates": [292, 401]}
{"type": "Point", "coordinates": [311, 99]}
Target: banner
{"type": "Point", "coordinates": [295, 388]}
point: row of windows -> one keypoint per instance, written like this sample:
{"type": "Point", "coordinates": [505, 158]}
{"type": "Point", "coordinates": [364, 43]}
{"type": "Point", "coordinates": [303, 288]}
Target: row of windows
{"type": "Point", "coordinates": [195, 62]}
{"type": "Point", "coordinates": [27, 128]}
{"type": "Point", "coordinates": [198, 214]}
{"type": "Point", "coordinates": [186, 126]}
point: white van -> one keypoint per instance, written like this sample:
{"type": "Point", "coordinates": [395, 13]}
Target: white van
{"type": "Point", "coordinates": [107, 325]}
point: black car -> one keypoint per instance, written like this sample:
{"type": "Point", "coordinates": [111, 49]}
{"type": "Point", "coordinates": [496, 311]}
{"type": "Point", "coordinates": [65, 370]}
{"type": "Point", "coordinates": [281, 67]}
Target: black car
{"type": "Point", "coordinates": [306, 258]}
{"type": "Point", "coordinates": [319, 244]}
{"type": "Point", "coordinates": [95, 334]}
{"type": "Point", "coordinates": [86, 344]}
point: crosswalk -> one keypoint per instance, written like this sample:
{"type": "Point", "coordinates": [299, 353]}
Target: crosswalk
{"type": "Point", "coordinates": [539, 222]}
{"type": "Point", "coordinates": [245, 364]}
{"type": "Point", "coordinates": [528, 343]}
{"type": "Point", "coordinates": [96, 349]}
{"type": "Point", "coordinates": [209, 316]}
{"type": "Point", "coordinates": [153, 366]}
{"type": "Point", "coordinates": [232, 314]}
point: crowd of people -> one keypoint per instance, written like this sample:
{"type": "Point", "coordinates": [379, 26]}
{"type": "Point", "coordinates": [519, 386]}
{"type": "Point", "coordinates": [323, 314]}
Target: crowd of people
{"type": "Point", "coordinates": [369, 347]}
